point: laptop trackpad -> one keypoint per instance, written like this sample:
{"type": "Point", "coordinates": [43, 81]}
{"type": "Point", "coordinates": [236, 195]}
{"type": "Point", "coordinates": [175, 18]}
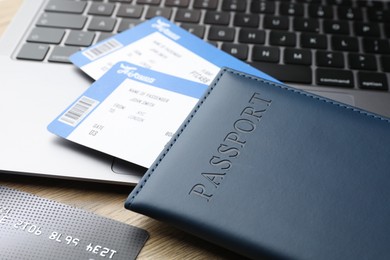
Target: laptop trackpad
{"type": "Point", "coordinates": [340, 97]}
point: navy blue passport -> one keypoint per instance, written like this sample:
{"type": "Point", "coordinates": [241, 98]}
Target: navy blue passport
{"type": "Point", "coordinates": [264, 169]}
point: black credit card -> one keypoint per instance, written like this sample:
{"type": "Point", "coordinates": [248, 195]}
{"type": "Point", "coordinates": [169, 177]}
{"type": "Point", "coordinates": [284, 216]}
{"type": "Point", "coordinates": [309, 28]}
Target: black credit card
{"type": "Point", "coordinates": [36, 228]}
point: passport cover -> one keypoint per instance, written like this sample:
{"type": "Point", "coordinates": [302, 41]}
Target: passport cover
{"type": "Point", "coordinates": [264, 169]}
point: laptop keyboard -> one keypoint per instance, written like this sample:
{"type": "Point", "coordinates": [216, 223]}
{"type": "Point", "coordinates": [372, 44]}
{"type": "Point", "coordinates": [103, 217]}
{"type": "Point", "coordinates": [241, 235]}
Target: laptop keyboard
{"type": "Point", "coordinates": [335, 43]}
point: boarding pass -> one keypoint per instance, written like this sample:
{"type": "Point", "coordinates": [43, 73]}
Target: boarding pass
{"type": "Point", "coordinates": [131, 112]}
{"type": "Point", "coordinates": [160, 45]}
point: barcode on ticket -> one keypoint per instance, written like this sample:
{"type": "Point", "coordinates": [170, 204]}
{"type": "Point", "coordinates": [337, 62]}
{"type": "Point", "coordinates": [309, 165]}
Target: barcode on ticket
{"type": "Point", "coordinates": [102, 49]}
{"type": "Point", "coordinates": [78, 111]}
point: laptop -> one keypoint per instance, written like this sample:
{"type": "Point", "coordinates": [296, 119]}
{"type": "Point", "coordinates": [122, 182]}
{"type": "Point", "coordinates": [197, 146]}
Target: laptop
{"type": "Point", "coordinates": [335, 48]}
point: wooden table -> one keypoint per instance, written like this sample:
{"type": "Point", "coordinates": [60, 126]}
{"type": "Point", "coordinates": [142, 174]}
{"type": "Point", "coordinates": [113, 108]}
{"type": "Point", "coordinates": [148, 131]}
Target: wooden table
{"type": "Point", "coordinates": [165, 242]}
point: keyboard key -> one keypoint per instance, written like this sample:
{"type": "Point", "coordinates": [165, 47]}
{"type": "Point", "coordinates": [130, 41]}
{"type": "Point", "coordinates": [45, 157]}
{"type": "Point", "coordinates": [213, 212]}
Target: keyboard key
{"type": "Point", "coordinates": [126, 24]}
{"type": "Point", "coordinates": [339, 2]}
{"type": "Point", "coordinates": [319, 11]}
{"type": "Point", "coordinates": [315, 41]}
{"type": "Point", "coordinates": [291, 9]}
{"type": "Point", "coordinates": [276, 23]}
{"type": "Point", "coordinates": [362, 61]}
{"type": "Point", "coordinates": [237, 50]}
{"type": "Point", "coordinates": [105, 9]}
{"type": "Point", "coordinates": [46, 35]}
{"type": "Point", "coordinates": [306, 25]}
{"type": "Point", "coordinates": [130, 11]}
{"type": "Point", "coordinates": [367, 29]}
{"type": "Point", "coordinates": [80, 38]}
{"type": "Point", "coordinates": [385, 62]}
{"type": "Point", "coordinates": [68, 21]}
{"type": "Point", "coordinates": [336, 27]}
{"type": "Point", "coordinates": [103, 24]}
{"type": "Point", "coordinates": [375, 81]}
{"type": "Point", "coordinates": [115, 1]}
{"type": "Point", "coordinates": [217, 18]}
{"type": "Point", "coordinates": [334, 78]}
{"type": "Point", "coordinates": [370, 3]}
{"type": "Point", "coordinates": [218, 33]}
{"type": "Point", "coordinates": [298, 57]}
{"type": "Point", "coordinates": [282, 38]}
{"type": "Point", "coordinates": [158, 11]}
{"type": "Point", "coordinates": [65, 6]}
{"type": "Point", "coordinates": [309, 1]}
{"type": "Point", "coordinates": [177, 3]}
{"type": "Point", "coordinates": [349, 13]}
{"type": "Point", "coordinates": [206, 4]}
{"type": "Point", "coordinates": [251, 36]}
{"type": "Point", "coordinates": [62, 54]}
{"type": "Point", "coordinates": [234, 5]}
{"type": "Point", "coordinates": [246, 20]}
{"type": "Point", "coordinates": [387, 30]}
{"type": "Point", "coordinates": [330, 59]}
{"type": "Point", "coordinates": [188, 16]}
{"type": "Point", "coordinates": [267, 54]}
{"type": "Point", "coordinates": [104, 35]}
{"type": "Point", "coordinates": [263, 7]}
{"type": "Point", "coordinates": [195, 29]}
{"type": "Point", "coordinates": [376, 46]}
{"type": "Point", "coordinates": [286, 73]}
{"type": "Point", "coordinates": [378, 15]}
{"type": "Point", "coordinates": [33, 51]}
{"type": "Point", "coordinates": [149, 2]}
{"type": "Point", "coordinates": [341, 43]}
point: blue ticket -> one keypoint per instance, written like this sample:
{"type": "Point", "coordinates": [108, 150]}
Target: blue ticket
{"type": "Point", "coordinates": [160, 45]}
{"type": "Point", "coordinates": [131, 112]}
